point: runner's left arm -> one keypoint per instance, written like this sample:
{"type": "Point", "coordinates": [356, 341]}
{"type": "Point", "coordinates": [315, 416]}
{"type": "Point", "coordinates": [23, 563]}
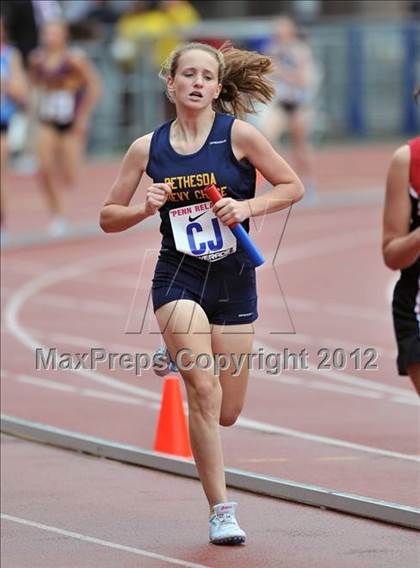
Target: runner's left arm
{"type": "Point", "coordinates": [248, 143]}
{"type": "Point", "coordinates": [92, 86]}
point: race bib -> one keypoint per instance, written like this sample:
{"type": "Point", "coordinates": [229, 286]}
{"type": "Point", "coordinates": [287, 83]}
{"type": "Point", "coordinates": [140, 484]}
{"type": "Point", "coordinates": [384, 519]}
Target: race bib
{"type": "Point", "coordinates": [198, 232]}
{"type": "Point", "coordinates": [57, 106]}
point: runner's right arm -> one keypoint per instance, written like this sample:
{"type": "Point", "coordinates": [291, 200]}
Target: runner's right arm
{"type": "Point", "coordinates": [400, 247]}
{"type": "Point", "coordinates": [117, 214]}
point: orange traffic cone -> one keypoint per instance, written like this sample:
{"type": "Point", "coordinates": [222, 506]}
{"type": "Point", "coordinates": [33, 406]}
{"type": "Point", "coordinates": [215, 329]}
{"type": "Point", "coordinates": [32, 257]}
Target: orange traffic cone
{"type": "Point", "coordinates": [172, 432]}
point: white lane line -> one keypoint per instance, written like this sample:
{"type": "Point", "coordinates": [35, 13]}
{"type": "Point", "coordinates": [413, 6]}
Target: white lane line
{"type": "Point", "coordinates": [343, 389]}
{"type": "Point", "coordinates": [69, 302]}
{"type": "Point", "coordinates": [318, 341]}
{"type": "Point", "coordinates": [87, 342]}
{"type": "Point", "coordinates": [271, 429]}
{"type": "Point", "coordinates": [415, 401]}
{"type": "Point", "coordinates": [320, 385]}
{"type": "Point", "coordinates": [306, 340]}
{"type": "Point", "coordinates": [242, 421]}
{"type": "Point", "coordinates": [24, 266]}
{"type": "Point", "coordinates": [99, 541]}
{"type": "Point", "coordinates": [284, 379]}
{"type": "Point", "coordinates": [115, 281]}
{"type": "Point", "coordinates": [346, 378]}
{"type": "Point", "coordinates": [351, 379]}
{"type": "Point", "coordinates": [31, 288]}
{"type": "Point", "coordinates": [45, 383]}
{"type": "Point", "coordinates": [93, 393]}
{"type": "Point", "coordinates": [339, 309]}
{"type": "Point", "coordinates": [73, 303]}
{"type": "Point", "coordinates": [334, 308]}
{"type": "Point", "coordinates": [77, 341]}
{"type": "Point", "coordinates": [118, 398]}
{"type": "Point", "coordinates": [323, 246]}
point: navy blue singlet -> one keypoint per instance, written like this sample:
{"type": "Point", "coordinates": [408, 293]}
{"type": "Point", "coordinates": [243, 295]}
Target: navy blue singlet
{"type": "Point", "coordinates": [203, 267]}
{"type": "Point", "coordinates": [190, 174]}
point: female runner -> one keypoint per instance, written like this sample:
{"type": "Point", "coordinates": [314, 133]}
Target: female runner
{"type": "Point", "coordinates": [204, 290]}
{"type": "Point", "coordinates": [401, 251]}
{"type": "Point", "coordinates": [295, 77]}
{"type": "Point", "coordinates": [68, 88]}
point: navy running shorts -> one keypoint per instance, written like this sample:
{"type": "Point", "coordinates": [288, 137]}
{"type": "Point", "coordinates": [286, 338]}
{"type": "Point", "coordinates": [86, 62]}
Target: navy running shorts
{"type": "Point", "coordinates": [228, 297]}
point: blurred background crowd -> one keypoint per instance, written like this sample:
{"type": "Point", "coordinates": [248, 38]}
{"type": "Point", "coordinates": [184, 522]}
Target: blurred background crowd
{"type": "Point", "coordinates": [359, 65]}
{"type": "Point", "coordinates": [367, 53]}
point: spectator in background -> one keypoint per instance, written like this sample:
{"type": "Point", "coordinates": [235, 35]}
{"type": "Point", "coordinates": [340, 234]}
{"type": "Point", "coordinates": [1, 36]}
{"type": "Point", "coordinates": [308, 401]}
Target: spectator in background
{"type": "Point", "coordinates": [150, 29]}
{"type": "Point", "coordinates": [138, 22]}
{"type": "Point", "coordinates": [24, 18]}
{"type": "Point", "coordinates": [154, 21]}
{"type": "Point", "coordinates": [68, 88]}
{"type": "Point", "coordinates": [23, 21]}
{"type": "Point", "coordinates": [13, 93]}
{"type": "Point", "coordinates": [295, 79]}
{"type": "Point", "coordinates": [93, 19]}
{"type": "Point", "coordinates": [180, 15]}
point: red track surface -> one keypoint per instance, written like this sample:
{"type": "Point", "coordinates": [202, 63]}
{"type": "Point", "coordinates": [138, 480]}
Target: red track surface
{"type": "Point", "coordinates": [137, 508]}
{"type": "Point", "coordinates": [351, 430]}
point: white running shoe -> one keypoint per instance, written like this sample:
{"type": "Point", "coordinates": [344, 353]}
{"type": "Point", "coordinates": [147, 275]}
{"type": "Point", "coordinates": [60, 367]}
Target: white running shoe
{"type": "Point", "coordinates": [162, 362]}
{"type": "Point", "coordinates": [58, 227]}
{"type": "Point", "coordinates": [224, 528]}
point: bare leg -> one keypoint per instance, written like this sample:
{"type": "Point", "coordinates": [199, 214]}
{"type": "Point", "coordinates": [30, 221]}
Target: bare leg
{"type": "Point", "coordinates": [184, 325]}
{"type": "Point", "coordinates": [273, 124]}
{"type": "Point", "coordinates": [414, 374]}
{"type": "Point", "coordinates": [233, 339]}
{"type": "Point", "coordinates": [47, 144]}
{"type": "Point", "coordinates": [3, 156]}
{"type": "Point", "coordinates": [71, 153]}
{"type": "Point", "coordinates": [302, 150]}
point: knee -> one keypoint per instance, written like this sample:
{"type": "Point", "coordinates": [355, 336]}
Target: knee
{"type": "Point", "coordinates": [45, 169]}
{"type": "Point", "coordinates": [69, 180]}
{"type": "Point", "coordinates": [205, 397]}
{"type": "Point", "coordinates": [70, 177]}
{"type": "Point", "coordinates": [228, 418]}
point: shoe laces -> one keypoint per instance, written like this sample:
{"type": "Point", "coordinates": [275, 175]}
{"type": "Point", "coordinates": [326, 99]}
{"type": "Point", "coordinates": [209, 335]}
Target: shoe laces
{"type": "Point", "coordinates": [226, 518]}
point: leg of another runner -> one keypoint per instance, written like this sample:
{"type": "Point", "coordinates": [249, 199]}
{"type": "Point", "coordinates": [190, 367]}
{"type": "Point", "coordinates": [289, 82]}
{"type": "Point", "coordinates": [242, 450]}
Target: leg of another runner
{"type": "Point", "coordinates": [46, 146]}
{"type": "Point", "coordinates": [71, 150]}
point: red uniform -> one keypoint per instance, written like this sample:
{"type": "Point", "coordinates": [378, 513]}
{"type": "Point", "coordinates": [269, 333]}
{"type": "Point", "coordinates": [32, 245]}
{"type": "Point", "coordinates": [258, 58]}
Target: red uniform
{"type": "Point", "coordinates": [406, 301]}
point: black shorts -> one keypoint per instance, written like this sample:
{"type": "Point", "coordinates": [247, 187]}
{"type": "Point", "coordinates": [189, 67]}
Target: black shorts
{"type": "Point", "coordinates": [58, 127]}
{"type": "Point", "coordinates": [4, 127]}
{"type": "Point", "coordinates": [288, 106]}
{"type": "Point", "coordinates": [406, 323]}
{"type": "Point", "coordinates": [228, 297]}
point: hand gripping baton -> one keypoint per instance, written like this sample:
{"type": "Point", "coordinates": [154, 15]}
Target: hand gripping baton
{"type": "Point", "coordinates": [254, 254]}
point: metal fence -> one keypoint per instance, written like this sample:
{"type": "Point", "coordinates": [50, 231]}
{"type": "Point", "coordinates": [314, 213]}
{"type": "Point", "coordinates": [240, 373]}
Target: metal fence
{"type": "Point", "coordinates": [368, 73]}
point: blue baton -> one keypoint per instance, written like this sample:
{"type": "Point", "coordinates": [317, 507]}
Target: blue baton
{"type": "Point", "coordinates": [254, 254]}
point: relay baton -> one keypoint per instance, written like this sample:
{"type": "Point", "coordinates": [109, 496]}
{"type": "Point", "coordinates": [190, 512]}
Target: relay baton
{"type": "Point", "coordinates": [254, 254]}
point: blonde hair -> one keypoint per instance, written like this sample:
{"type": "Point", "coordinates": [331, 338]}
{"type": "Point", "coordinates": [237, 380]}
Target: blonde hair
{"type": "Point", "coordinates": [242, 74]}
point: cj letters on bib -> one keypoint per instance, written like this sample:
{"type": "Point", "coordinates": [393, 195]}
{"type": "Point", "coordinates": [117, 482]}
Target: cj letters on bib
{"type": "Point", "coordinates": [58, 106]}
{"type": "Point", "coordinates": [198, 232]}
